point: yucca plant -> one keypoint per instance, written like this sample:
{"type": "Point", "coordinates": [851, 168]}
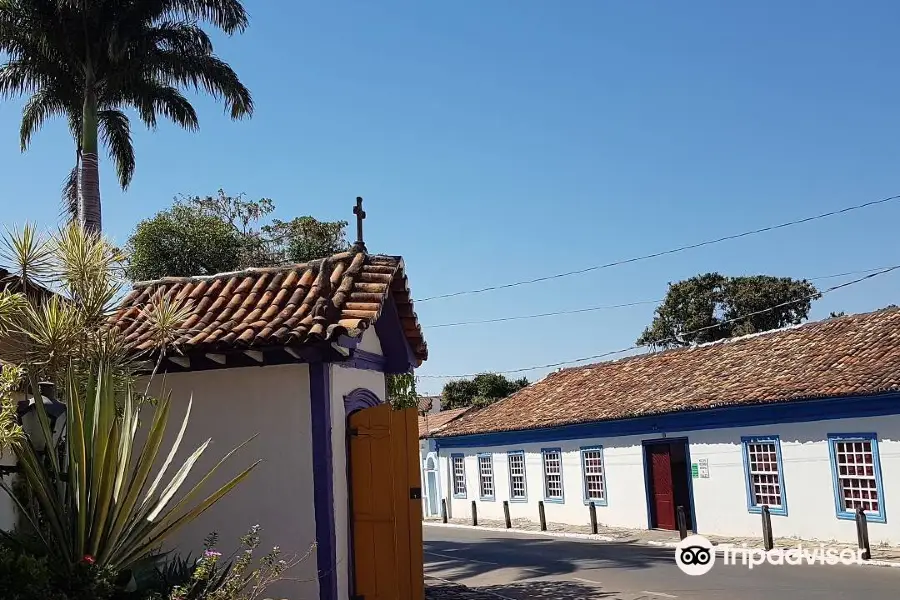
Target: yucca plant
{"type": "Point", "coordinates": [93, 500]}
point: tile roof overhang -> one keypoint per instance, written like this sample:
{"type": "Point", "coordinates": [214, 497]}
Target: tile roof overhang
{"type": "Point", "coordinates": [857, 355]}
{"type": "Point", "coordinates": [293, 311]}
{"type": "Point", "coordinates": [431, 424]}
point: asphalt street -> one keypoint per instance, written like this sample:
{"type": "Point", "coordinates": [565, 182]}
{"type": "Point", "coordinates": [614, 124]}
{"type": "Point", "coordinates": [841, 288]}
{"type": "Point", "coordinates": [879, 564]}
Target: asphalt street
{"type": "Point", "coordinates": [517, 566]}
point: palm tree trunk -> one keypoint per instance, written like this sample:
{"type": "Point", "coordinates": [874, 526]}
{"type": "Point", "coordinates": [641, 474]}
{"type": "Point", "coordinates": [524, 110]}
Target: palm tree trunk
{"type": "Point", "coordinates": [89, 175]}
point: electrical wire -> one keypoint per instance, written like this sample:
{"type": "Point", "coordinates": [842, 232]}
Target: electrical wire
{"type": "Point", "coordinates": [672, 339]}
{"type": "Point", "coordinates": [726, 238]}
{"type": "Point", "coordinates": [608, 306]}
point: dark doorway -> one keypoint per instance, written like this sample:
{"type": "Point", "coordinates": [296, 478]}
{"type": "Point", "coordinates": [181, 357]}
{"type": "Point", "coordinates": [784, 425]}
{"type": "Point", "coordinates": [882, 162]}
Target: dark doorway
{"type": "Point", "coordinates": [668, 483]}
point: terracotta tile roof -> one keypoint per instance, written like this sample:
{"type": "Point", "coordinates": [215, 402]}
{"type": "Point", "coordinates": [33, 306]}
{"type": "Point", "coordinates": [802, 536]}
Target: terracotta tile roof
{"type": "Point", "coordinates": [282, 306]}
{"type": "Point", "coordinates": [435, 422]}
{"type": "Point", "coordinates": [846, 356]}
{"type": "Point", "coordinates": [426, 403]}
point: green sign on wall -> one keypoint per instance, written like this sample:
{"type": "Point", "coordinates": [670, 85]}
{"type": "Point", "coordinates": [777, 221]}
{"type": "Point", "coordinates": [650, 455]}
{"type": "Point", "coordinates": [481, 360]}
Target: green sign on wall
{"type": "Point", "coordinates": [695, 471]}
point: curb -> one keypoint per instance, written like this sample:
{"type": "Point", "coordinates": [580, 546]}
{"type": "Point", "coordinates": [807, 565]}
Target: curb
{"type": "Point", "coordinates": [606, 538]}
{"type": "Point", "coordinates": [553, 534]}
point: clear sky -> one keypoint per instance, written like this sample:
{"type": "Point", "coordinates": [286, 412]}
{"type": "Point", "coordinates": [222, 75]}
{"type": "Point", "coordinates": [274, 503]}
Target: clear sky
{"type": "Point", "coordinates": [498, 140]}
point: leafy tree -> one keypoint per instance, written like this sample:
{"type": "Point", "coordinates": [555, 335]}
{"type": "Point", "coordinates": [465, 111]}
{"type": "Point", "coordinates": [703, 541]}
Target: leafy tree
{"type": "Point", "coordinates": [707, 304]}
{"type": "Point", "coordinates": [482, 390]}
{"type": "Point", "coordinates": [214, 234]}
{"type": "Point", "coordinates": [401, 390]}
{"type": "Point", "coordinates": [89, 61]}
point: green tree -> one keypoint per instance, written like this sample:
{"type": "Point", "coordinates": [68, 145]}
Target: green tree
{"type": "Point", "coordinates": [710, 305]}
{"type": "Point", "coordinates": [401, 390]}
{"type": "Point", "coordinates": [214, 234]}
{"type": "Point", "coordinates": [89, 61]}
{"type": "Point", "coordinates": [482, 390]}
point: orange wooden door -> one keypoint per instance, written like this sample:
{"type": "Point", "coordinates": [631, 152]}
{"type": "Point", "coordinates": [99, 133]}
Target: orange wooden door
{"type": "Point", "coordinates": [386, 504]}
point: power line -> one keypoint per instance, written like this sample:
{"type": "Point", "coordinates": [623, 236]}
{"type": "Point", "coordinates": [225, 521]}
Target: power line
{"type": "Point", "coordinates": [662, 253]}
{"type": "Point", "coordinates": [606, 307]}
{"type": "Point", "coordinates": [657, 342]}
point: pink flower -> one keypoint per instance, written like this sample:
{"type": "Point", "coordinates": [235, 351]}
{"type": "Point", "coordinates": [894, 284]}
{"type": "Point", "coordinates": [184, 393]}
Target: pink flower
{"type": "Point", "coordinates": [88, 559]}
{"type": "Point", "coordinates": [212, 554]}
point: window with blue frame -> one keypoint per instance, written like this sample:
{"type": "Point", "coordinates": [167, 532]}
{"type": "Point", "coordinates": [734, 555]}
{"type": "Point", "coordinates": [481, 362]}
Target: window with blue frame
{"type": "Point", "coordinates": [518, 489]}
{"type": "Point", "coordinates": [486, 476]}
{"type": "Point", "coordinates": [458, 462]}
{"type": "Point", "coordinates": [764, 474]}
{"type": "Point", "coordinates": [553, 480]}
{"type": "Point", "coordinates": [593, 475]}
{"type": "Point", "coordinates": [856, 472]}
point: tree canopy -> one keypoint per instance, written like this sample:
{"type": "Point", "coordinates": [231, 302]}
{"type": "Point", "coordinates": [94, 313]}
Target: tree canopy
{"type": "Point", "coordinates": [710, 304]}
{"type": "Point", "coordinates": [482, 390]}
{"type": "Point", "coordinates": [215, 234]}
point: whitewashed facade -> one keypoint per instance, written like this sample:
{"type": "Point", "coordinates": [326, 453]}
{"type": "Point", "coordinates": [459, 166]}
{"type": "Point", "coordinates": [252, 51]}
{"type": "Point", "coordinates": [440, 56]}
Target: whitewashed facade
{"type": "Point", "coordinates": [720, 495]}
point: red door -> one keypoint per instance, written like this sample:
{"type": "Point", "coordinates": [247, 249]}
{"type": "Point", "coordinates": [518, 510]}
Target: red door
{"type": "Point", "coordinates": [661, 493]}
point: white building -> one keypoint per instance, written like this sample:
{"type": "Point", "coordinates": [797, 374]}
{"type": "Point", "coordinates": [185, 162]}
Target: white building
{"type": "Point", "coordinates": [431, 421]}
{"type": "Point", "coordinates": [291, 355]}
{"type": "Point", "coordinates": [804, 420]}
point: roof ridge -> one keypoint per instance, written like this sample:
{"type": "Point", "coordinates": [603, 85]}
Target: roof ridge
{"type": "Point", "coordinates": [316, 263]}
{"type": "Point", "coordinates": [731, 340]}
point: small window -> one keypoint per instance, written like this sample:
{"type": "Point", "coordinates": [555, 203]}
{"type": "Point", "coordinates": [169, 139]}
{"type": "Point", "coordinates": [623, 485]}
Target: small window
{"type": "Point", "coordinates": [486, 476]}
{"type": "Point", "coordinates": [856, 469]}
{"type": "Point", "coordinates": [764, 475]}
{"type": "Point", "coordinates": [459, 475]}
{"type": "Point", "coordinates": [517, 488]}
{"type": "Point", "coordinates": [553, 483]}
{"type": "Point", "coordinates": [594, 475]}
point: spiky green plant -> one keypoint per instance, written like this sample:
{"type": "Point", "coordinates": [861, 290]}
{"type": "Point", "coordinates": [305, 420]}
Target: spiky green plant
{"type": "Point", "coordinates": [95, 497]}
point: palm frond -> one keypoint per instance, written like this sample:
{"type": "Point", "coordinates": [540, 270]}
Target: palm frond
{"type": "Point", "coordinates": [43, 104]}
{"type": "Point", "coordinates": [207, 73]}
{"type": "Point", "coordinates": [115, 130]}
{"type": "Point", "coordinates": [228, 15]}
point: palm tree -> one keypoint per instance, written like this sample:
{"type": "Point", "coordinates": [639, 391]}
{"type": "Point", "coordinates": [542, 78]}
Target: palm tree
{"type": "Point", "coordinates": [88, 60]}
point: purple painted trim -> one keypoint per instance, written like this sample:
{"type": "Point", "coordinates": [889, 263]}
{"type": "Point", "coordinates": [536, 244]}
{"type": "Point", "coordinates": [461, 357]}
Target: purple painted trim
{"type": "Point", "coordinates": [359, 399]}
{"type": "Point", "coordinates": [369, 361]}
{"type": "Point", "coordinates": [400, 357]}
{"type": "Point", "coordinates": [345, 341]}
{"type": "Point", "coordinates": [323, 479]}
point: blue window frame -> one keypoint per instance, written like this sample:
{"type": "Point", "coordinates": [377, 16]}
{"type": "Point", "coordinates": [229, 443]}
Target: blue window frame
{"type": "Point", "coordinates": [486, 476]}
{"type": "Point", "coordinates": [593, 475]}
{"type": "Point", "coordinates": [458, 471]}
{"type": "Point", "coordinates": [764, 475]}
{"type": "Point", "coordinates": [856, 475]}
{"type": "Point", "coordinates": [551, 459]}
{"type": "Point", "coordinates": [518, 485]}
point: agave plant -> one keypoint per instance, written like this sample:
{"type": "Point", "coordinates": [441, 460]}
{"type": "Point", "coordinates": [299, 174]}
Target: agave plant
{"type": "Point", "coordinates": [94, 498]}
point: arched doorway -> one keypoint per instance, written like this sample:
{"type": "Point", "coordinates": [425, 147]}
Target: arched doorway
{"type": "Point", "coordinates": [432, 491]}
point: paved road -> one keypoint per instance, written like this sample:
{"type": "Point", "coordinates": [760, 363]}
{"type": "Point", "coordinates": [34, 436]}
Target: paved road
{"type": "Point", "coordinates": [520, 567]}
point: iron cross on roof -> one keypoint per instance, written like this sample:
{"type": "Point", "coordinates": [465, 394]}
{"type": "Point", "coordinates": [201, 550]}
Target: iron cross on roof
{"type": "Point", "coordinates": [360, 215]}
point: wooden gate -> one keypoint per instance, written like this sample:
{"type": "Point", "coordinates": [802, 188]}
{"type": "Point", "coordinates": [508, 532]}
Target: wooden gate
{"type": "Point", "coordinates": [386, 504]}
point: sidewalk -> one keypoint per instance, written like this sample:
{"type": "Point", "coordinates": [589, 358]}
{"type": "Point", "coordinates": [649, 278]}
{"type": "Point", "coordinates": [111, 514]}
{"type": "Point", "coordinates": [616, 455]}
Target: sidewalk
{"type": "Point", "coordinates": [882, 555]}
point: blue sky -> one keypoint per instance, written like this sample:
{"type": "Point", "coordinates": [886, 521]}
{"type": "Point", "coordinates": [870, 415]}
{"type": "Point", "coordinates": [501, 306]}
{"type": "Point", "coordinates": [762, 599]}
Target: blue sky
{"type": "Point", "coordinates": [504, 140]}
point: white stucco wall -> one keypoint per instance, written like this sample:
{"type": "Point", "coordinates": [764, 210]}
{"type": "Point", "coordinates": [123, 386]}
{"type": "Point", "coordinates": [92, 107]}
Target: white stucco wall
{"type": "Point", "coordinates": [720, 501]}
{"type": "Point", "coordinates": [370, 342]}
{"type": "Point", "coordinates": [343, 381]}
{"type": "Point", "coordinates": [230, 405]}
